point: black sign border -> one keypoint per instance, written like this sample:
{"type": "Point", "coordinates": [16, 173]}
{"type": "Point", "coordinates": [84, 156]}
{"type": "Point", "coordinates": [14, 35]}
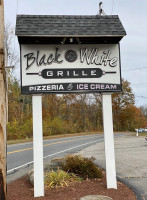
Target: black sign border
{"type": "Point", "coordinates": [25, 89]}
{"type": "Point", "coordinates": [70, 92]}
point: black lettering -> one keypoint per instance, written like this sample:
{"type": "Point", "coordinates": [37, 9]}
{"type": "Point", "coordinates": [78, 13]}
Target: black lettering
{"type": "Point", "coordinates": [30, 59]}
{"type": "Point", "coordinates": [37, 58]}
{"type": "Point", "coordinates": [50, 59]}
{"type": "Point", "coordinates": [57, 55]}
{"type": "Point", "coordinates": [42, 60]}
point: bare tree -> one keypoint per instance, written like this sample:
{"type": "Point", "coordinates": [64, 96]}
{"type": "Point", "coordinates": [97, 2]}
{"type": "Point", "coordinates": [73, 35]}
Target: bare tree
{"type": "Point", "coordinates": [144, 110]}
{"type": "Point", "coordinates": [11, 55]}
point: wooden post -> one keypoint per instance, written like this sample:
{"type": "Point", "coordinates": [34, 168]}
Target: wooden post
{"type": "Point", "coordinates": [2, 108]}
{"type": "Point", "coordinates": [109, 141]}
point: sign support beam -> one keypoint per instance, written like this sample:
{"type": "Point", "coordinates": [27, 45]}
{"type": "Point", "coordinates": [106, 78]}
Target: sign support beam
{"type": "Point", "coordinates": [38, 146]}
{"type": "Point", "coordinates": [109, 141]}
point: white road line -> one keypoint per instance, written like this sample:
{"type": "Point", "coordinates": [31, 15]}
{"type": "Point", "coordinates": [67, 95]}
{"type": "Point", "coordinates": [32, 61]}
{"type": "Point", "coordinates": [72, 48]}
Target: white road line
{"type": "Point", "coordinates": [21, 166]}
{"type": "Point", "coordinates": [70, 149]}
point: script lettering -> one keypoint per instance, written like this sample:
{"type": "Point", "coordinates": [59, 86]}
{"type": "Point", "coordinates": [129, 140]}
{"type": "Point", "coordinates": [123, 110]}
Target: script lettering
{"type": "Point", "coordinates": [42, 60]}
{"type": "Point", "coordinates": [93, 57]}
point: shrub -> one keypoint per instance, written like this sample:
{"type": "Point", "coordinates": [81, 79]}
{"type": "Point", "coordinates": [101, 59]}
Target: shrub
{"type": "Point", "coordinates": [46, 127]}
{"type": "Point", "coordinates": [27, 128]}
{"type": "Point", "coordinates": [76, 128]}
{"type": "Point", "coordinates": [83, 167]}
{"type": "Point", "coordinates": [19, 131]}
{"type": "Point", "coordinates": [59, 178]}
{"type": "Point", "coordinates": [57, 126]}
{"type": "Point", "coordinates": [12, 130]}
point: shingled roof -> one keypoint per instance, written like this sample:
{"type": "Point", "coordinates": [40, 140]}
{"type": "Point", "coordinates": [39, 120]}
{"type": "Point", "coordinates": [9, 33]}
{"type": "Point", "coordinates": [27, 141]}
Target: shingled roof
{"type": "Point", "coordinates": [69, 25]}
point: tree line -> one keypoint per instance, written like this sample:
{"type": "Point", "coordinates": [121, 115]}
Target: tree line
{"type": "Point", "coordinates": [70, 113]}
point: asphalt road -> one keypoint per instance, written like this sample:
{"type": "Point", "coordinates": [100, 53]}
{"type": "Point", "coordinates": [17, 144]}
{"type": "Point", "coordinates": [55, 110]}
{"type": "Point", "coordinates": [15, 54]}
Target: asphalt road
{"type": "Point", "coordinates": [20, 156]}
{"type": "Point", "coordinates": [130, 158]}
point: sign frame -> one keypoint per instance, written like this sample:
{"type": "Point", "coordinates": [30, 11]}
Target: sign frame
{"type": "Point", "coordinates": [84, 86]}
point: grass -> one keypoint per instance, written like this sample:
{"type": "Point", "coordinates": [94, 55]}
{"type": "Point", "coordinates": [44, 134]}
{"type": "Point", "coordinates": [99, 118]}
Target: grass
{"type": "Point", "coordinates": [52, 137]}
{"type": "Point", "coordinates": [140, 134]}
{"type": "Point", "coordinates": [59, 136]}
{"type": "Point", "coordinates": [60, 178]}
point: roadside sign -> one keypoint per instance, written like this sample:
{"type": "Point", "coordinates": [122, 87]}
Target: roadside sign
{"type": "Point", "coordinates": [70, 68]}
{"type": "Point", "coordinates": [70, 54]}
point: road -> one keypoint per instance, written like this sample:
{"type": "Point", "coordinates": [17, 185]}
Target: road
{"type": "Point", "coordinates": [130, 158]}
{"type": "Point", "coordinates": [20, 156]}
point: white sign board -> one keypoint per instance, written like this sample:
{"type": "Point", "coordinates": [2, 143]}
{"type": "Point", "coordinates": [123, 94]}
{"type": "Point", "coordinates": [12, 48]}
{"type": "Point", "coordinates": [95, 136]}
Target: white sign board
{"type": "Point", "coordinates": [70, 68]}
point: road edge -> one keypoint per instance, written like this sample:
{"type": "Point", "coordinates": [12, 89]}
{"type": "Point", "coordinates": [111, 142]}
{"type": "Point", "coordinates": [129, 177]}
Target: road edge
{"type": "Point", "coordinates": [136, 191]}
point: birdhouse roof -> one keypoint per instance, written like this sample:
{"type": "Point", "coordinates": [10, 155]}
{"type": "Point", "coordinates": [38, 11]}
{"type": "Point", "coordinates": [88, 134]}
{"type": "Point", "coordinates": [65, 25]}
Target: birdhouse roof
{"type": "Point", "coordinates": [95, 26]}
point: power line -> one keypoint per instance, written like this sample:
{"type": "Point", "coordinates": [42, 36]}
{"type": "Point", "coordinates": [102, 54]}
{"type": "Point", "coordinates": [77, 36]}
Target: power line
{"type": "Point", "coordinates": [141, 97]}
{"type": "Point", "coordinates": [140, 84]}
{"type": "Point", "coordinates": [134, 69]}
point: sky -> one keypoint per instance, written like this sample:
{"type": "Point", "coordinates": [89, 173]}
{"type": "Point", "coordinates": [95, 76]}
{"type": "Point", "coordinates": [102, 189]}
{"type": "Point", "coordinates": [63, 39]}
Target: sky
{"type": "Point", "coordinates": [133, 16]}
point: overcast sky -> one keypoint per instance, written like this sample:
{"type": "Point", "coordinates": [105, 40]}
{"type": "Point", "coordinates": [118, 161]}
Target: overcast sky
{"type": "Point", "coordinates": [133, 15]}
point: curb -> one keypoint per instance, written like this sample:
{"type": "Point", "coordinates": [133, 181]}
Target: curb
{"type": "Point", "coordinates": [136, 191]}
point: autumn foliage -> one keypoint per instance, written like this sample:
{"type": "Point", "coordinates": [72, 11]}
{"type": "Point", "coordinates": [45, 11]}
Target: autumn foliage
{"type": "Point", "coordinates": [71, 113]}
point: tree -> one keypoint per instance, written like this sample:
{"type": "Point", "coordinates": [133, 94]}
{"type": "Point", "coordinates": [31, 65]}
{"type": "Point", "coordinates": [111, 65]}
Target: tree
{"type": "Point", "coordinates": [144, 112]}
{"type": "Point", "coordinates": [70, 112]}
{"type": "Point", "coordinates": [11, 56]}
{"type": "Point", "coordinates": [124, 98]}
{"type": "Point", "coordinates": [126, 115]}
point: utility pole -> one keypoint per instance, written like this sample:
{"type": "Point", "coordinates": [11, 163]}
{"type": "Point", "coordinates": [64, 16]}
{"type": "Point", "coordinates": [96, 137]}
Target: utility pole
{"type": "Point", "coordinates": [2, 108]}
